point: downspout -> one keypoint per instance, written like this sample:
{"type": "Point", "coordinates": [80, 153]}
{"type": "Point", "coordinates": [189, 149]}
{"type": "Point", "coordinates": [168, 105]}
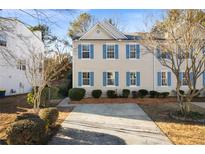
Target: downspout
{"type": "Point", "coordinates": [153, 72]}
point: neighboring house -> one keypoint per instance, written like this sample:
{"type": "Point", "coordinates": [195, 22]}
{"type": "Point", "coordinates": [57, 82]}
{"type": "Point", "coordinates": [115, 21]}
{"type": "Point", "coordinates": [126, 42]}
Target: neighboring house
{"type": "Point", "coordinates": [17, 41]}
{"type": "Point", "coordinates": [105, 58]}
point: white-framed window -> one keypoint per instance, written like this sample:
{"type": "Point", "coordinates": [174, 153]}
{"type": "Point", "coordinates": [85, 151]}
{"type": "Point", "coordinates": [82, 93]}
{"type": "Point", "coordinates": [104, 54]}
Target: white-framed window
{"type": "Point", "coordinates": [110, 51]}
{"type": "Point", "coordinates": [85, 51]}
{"type": "Point", "coordinates": [3, 41]}
{"type": "Point", "coordinates": [184, 79]}
{"type": "Point", "coordinates": [132, 51]}
{"type": "Point", "coordinates": [85, 78]}
{"type": "Point", "coordinates": [21, 64]}
{"type": "Point", "coordinates": [133, 77]}
{"type": "Point", "coordinates": [110, 78]}
{"type": "Point", "coordinates": [164, 78]}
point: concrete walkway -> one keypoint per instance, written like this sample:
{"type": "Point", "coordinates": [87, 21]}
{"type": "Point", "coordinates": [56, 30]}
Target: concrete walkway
{"type": "Point", "coordinates": [109, 124]}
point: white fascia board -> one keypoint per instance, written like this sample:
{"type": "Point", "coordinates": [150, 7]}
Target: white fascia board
{"type": "Point", "coordinates": [98, 24]}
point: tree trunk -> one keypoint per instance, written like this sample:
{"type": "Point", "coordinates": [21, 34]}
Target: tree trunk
{"type": "Point", "coordinates": [187, 106]}
{"type": "Point", "coordinates": [180, 99]}
{"type": "Point", "coordinates": [37, 100]}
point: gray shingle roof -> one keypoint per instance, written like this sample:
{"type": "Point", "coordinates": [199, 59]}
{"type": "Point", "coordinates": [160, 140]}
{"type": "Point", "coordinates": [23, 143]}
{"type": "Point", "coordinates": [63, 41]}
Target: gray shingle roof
{"type": "Point", "coordinates": [114, 32]}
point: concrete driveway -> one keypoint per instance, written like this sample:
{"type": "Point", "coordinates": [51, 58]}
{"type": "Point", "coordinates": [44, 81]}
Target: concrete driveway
{"type": "Point", "coordinates": [105, 124]}
{"type": "Point", "coordinates": [200, 104]}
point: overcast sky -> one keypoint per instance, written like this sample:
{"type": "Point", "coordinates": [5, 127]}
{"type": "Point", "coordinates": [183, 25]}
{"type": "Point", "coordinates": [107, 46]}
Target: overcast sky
{"type": "Point", "coordinates": [129, 20]}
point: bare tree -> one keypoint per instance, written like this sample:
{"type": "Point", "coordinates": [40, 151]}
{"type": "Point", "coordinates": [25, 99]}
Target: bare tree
{"type": "Point", "coordinates": [81, 24]}
{"type": "Point", "coordinates": [43, 68]}
{"type": "Point", "coordinates": [178, 42]}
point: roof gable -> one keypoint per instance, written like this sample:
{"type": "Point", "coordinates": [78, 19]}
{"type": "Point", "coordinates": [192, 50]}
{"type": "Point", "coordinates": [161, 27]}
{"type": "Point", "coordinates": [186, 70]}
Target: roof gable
{"type": "Point", "coordinates": [103, 31]}
{"type": "Point", "coordinates": [97, 32]}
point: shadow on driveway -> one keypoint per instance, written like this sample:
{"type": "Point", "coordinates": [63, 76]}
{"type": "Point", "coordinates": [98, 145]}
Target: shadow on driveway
{"type": "Point", "coordinates": [69, 136]}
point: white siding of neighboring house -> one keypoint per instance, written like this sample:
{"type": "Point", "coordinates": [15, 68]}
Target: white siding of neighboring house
{"type": "Point", "coordinates": [10, 76]}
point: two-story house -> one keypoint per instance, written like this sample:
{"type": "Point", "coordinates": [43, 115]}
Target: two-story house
{"type": "Point", "coordinates": [105, 58]}
{"type": "Point", "coordinates": [17, 42]}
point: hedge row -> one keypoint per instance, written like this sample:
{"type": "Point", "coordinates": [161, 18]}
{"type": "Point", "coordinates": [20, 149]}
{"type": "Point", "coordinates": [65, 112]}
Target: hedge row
{"type": "Point", "coordinates": [76, 94]}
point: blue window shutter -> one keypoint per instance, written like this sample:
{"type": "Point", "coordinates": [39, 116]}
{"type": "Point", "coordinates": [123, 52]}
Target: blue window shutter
{"type": "Point", "coordinates": [127, 51]}
{"type": "Point", "coordinates": [128, 78]}
{"type": "Point", "coordinates": [180, 76]}
{"type": "Point", "coordinates": [91, 51]}
{"type": "Point", "coordinates": [159, 78]}
{"type": "Point", "coordinates": [79, 51]}
{"type": "Point", "coordinates": [116, 78]}
{"type": "Point", "coordinates": [138, 51]}
{"type": "Point", "coordinates": [79, 78]}
{"type": "Point", "coordinates": [104, 51]}
{"type": "Point", "coordinates": [116, 51]}
{"type": "Point", "coordinates": [204, 79]}
{"type": "Point", "coordinates": [169, 78]}
{"type": "Point", "coordinates": [138, 78]}
{"type": "Point", "coordinates": [91, 78]}
{"type": "Point", "coordinates": [104, 78]}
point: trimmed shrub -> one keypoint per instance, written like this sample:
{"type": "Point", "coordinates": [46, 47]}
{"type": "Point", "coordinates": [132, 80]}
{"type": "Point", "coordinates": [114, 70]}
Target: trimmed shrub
{"type": "Point", "coordinates": [27, 116]}
{"type": "Point", "coordinates": [49, 115]}
{"type": "Point", "coordinates": [142, 93]}
{"type": "Point", "coordinates": [125, 93]}
{"type": "Point", "coordinates": [154, 94]}
{"type": "Point", "coordinates": [111, 94]}
{"type": "Point", "coordinates": [76, 94]}
{"type": "Point", "coordinates": [27, 131]}
{"type": "Point", "coordinates": [164, 94]}
{"type": "Point", "coordinates": [135, 94]}
{"type": "Point", "coordinates": [97, 93]}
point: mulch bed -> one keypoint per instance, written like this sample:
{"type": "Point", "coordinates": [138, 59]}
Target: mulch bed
{"type": "Point", "coordinates": [125, 100]}
{"type": "Point", "coordinates": [178, 131]}
{"type": "Point", "coordinates": [186, 119]}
